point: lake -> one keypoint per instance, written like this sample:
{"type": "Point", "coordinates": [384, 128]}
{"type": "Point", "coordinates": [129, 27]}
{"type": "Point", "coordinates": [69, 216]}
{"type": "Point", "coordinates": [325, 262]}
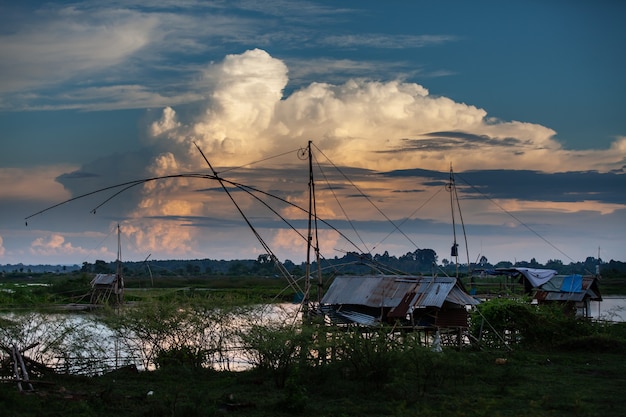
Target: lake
{"type": "Point", "coordinates": [79, 342]}
{"type": "Point", "coordinates": [611, 308]}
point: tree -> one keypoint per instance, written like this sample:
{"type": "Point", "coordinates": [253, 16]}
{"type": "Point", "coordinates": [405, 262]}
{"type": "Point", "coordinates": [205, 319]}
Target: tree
{"type": "Point", "coordinates": [101, 267]}
{"type": "Point", "coordinates": [555, 264]}
{"type": "Point", "coordinates": [237, 268]}
{"type": "Point", "coordinates": [426, 257]}
{"type": "Point", "coordinates": [87, 267]}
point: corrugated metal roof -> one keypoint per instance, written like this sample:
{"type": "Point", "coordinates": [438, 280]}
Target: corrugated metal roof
{"type": "Point", "coordinates": [359, 318]}
{"type": "Point", "coordinates": [561, 296]}
{"type": "Point", "coordinates": [557, 289]}
{"type": "Point", "coordinates": [390, 290]}
{"type": "Point", "coordinates": [458, 296]}
{"type": "Point", "coordinates": [103, 279]}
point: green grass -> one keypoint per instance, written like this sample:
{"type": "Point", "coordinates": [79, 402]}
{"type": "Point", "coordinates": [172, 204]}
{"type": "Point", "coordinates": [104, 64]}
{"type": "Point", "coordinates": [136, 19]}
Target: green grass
{"type": "Point", "coordinates": [583, 374]}
{"type": "Point", "coordinates": [463, 384]}
{"type": "Point", "coordinates": [51, 290]}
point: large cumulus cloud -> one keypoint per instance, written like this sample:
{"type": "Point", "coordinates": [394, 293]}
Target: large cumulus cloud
{"type": "Point", "coordinates": [248, 117]}
{"type": "Point", "coordinates": [377, 125]}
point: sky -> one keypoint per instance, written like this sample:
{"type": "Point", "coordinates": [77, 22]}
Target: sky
{"type": "Point", "coordinates": [525, 101]}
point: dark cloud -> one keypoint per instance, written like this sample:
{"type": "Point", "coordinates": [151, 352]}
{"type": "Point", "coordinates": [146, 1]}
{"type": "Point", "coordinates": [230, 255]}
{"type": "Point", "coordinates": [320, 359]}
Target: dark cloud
{"type": "Point", "coordinates": [74, 175]}
{"type": "Point", "coordinates": [450, 140]}
{"type": "Point", "coordinates": [569, 186]}
{"type": "Point", "coordinates": [409, 191]}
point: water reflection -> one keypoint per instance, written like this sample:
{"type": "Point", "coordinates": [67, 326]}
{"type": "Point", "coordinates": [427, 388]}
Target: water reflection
{"type": "Point", "coordinates": [611, 308]}
{"type": "Point", "coordinates": [86, 343]}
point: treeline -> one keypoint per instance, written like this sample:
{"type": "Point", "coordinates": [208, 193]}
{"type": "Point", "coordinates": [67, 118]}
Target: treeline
{"type": "Point", "coordinates": [420, 261]}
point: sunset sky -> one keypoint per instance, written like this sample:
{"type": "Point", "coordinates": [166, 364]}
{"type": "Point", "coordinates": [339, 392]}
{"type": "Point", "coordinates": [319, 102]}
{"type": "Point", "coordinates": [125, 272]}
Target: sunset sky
{"type": "Point", "coordinates": [526, 101]}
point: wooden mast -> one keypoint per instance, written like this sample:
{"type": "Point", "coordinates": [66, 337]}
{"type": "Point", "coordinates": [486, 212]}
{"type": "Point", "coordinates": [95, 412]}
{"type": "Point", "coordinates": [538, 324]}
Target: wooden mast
{"type": "Point", "coordinates": [312, 244]}
{"type": "Point", "coordinates": [454, 252]}
{"type": "Point", "coordinates": [119, 279]}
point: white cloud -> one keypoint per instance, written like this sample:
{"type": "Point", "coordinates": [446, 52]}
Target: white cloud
{"type": "Point", "coordinates": [55, 245]}
{"type": "Point", "coordinates": [167, 123]}
{"type": "Point", "coordinates": [2, 249]}
{"type": "Point", "coordinates": [359, 123]}
{"type": "Point", "coordinates": [249, 118]}
{"type": "Point", "coordinates": [68, 42]}
{"type": "Point", "coordinates": [387, 41]}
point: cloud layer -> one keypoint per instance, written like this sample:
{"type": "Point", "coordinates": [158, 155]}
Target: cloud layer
{"type": "Point", "coordinates": [377, 126]}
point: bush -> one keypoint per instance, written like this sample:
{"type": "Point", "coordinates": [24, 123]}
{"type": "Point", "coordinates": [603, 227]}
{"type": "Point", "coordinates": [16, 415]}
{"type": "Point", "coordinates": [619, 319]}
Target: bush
{"type": "Point", "coordinates": [181, 356]}
{"type": "Point", "coordinates": [509, 322]}
{"type": "Point", "coordinates": [276, 348]}
{"type": "Point", "coordinates": [371, 354]}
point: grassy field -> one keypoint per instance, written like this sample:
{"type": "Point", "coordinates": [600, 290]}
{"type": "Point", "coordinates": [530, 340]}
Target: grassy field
{"type": "Point", "coordinates": [54, 289]}
{"type": "Point", "coordinates": [563, 369]}
{"type": "Point", "coordinates": [51, 290]}
{"type": "Point", "coordinates": [442, 384]}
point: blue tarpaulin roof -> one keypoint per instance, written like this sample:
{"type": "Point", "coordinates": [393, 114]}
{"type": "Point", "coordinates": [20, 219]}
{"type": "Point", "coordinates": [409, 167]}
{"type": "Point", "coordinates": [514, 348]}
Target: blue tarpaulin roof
{"type": "Point", "coordinates": [572, 283]}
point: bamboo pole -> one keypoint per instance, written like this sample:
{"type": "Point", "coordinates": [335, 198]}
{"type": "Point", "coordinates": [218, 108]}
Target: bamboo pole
{"type": "Point", "coordinates": [24, 371]}
{"type": "Point", "coordinates": [16, 371]}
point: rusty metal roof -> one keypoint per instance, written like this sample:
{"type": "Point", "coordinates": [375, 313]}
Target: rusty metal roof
{"type": "Point", "coordinates": [394, 290]}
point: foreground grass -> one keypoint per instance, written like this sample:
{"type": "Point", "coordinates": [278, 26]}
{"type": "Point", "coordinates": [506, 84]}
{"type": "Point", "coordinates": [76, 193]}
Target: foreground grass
{"type": "Point", "coordinates": [452, 384]}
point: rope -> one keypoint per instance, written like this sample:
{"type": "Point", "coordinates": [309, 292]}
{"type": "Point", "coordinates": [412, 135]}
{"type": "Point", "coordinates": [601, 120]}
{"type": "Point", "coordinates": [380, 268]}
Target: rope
{"type": "Point", "coordinates": [366, 197]}
{"type": "Point", "coordinates": [517, 219]}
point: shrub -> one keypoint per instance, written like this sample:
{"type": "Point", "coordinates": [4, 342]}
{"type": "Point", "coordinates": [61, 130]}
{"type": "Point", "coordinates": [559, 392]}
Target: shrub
{"type": "Point", "coordinates": [371, 354]}
{"type": "Point", "coordinates": [276, 348]}
{"type": "Point", "coordinates": [509, 322]}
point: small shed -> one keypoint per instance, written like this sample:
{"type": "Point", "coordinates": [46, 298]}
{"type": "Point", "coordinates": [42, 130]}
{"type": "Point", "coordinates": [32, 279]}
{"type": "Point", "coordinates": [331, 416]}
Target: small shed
{"type": "Point", "coordinates": [103, 286]}
{"type": "Point", "coordinates": [574, 291]}
{"type": "Point", "coordinates": [410, 301]}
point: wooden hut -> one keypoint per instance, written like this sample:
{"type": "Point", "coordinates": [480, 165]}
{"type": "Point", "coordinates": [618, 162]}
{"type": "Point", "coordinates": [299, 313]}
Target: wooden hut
{"type": "Point", "coordinates": [407, 301]}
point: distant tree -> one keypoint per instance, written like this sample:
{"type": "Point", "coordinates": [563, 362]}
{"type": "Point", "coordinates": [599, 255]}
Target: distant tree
{"type": "Point", "coordinates": [237, 268]}
{"type": "Point", "coordinates": [87, 267]}
{"type": "Point", "coordinates": [101, 267]}
{"type": "Point", "coordinates": [384, 258]}
{"type": "Point", "coordinates": [555, 264]}
{"type": "Point", "coordinates": [591, 262]}
{"type": "Point", "coordinates": [289, 265]}
{"type": "Point", "coordinates": [426, 257]}
{"type": "Point", "coordinates": [296, 271]}
{"type": "Point", "coordinates": [264, 259]}
{"type": "Point", "coordinates": [192, 268]}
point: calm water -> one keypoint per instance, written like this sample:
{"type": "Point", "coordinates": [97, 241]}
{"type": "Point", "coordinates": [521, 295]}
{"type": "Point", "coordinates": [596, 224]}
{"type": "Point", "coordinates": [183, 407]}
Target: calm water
{"type": "Point", "coordinates": [97, 342]}
{"type": "Point", "coordinates": [80, 343]}
{"type": "Point", "coordinates": [612, 308]}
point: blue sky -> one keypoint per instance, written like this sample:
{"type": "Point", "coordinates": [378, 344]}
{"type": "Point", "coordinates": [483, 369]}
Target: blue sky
{"type": "Point", "coordinates": [524, 99]}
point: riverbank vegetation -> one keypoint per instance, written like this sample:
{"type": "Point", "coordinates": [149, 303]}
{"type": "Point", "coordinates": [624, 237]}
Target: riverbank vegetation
{"type": "Point", "coordinates": [522, 360]}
